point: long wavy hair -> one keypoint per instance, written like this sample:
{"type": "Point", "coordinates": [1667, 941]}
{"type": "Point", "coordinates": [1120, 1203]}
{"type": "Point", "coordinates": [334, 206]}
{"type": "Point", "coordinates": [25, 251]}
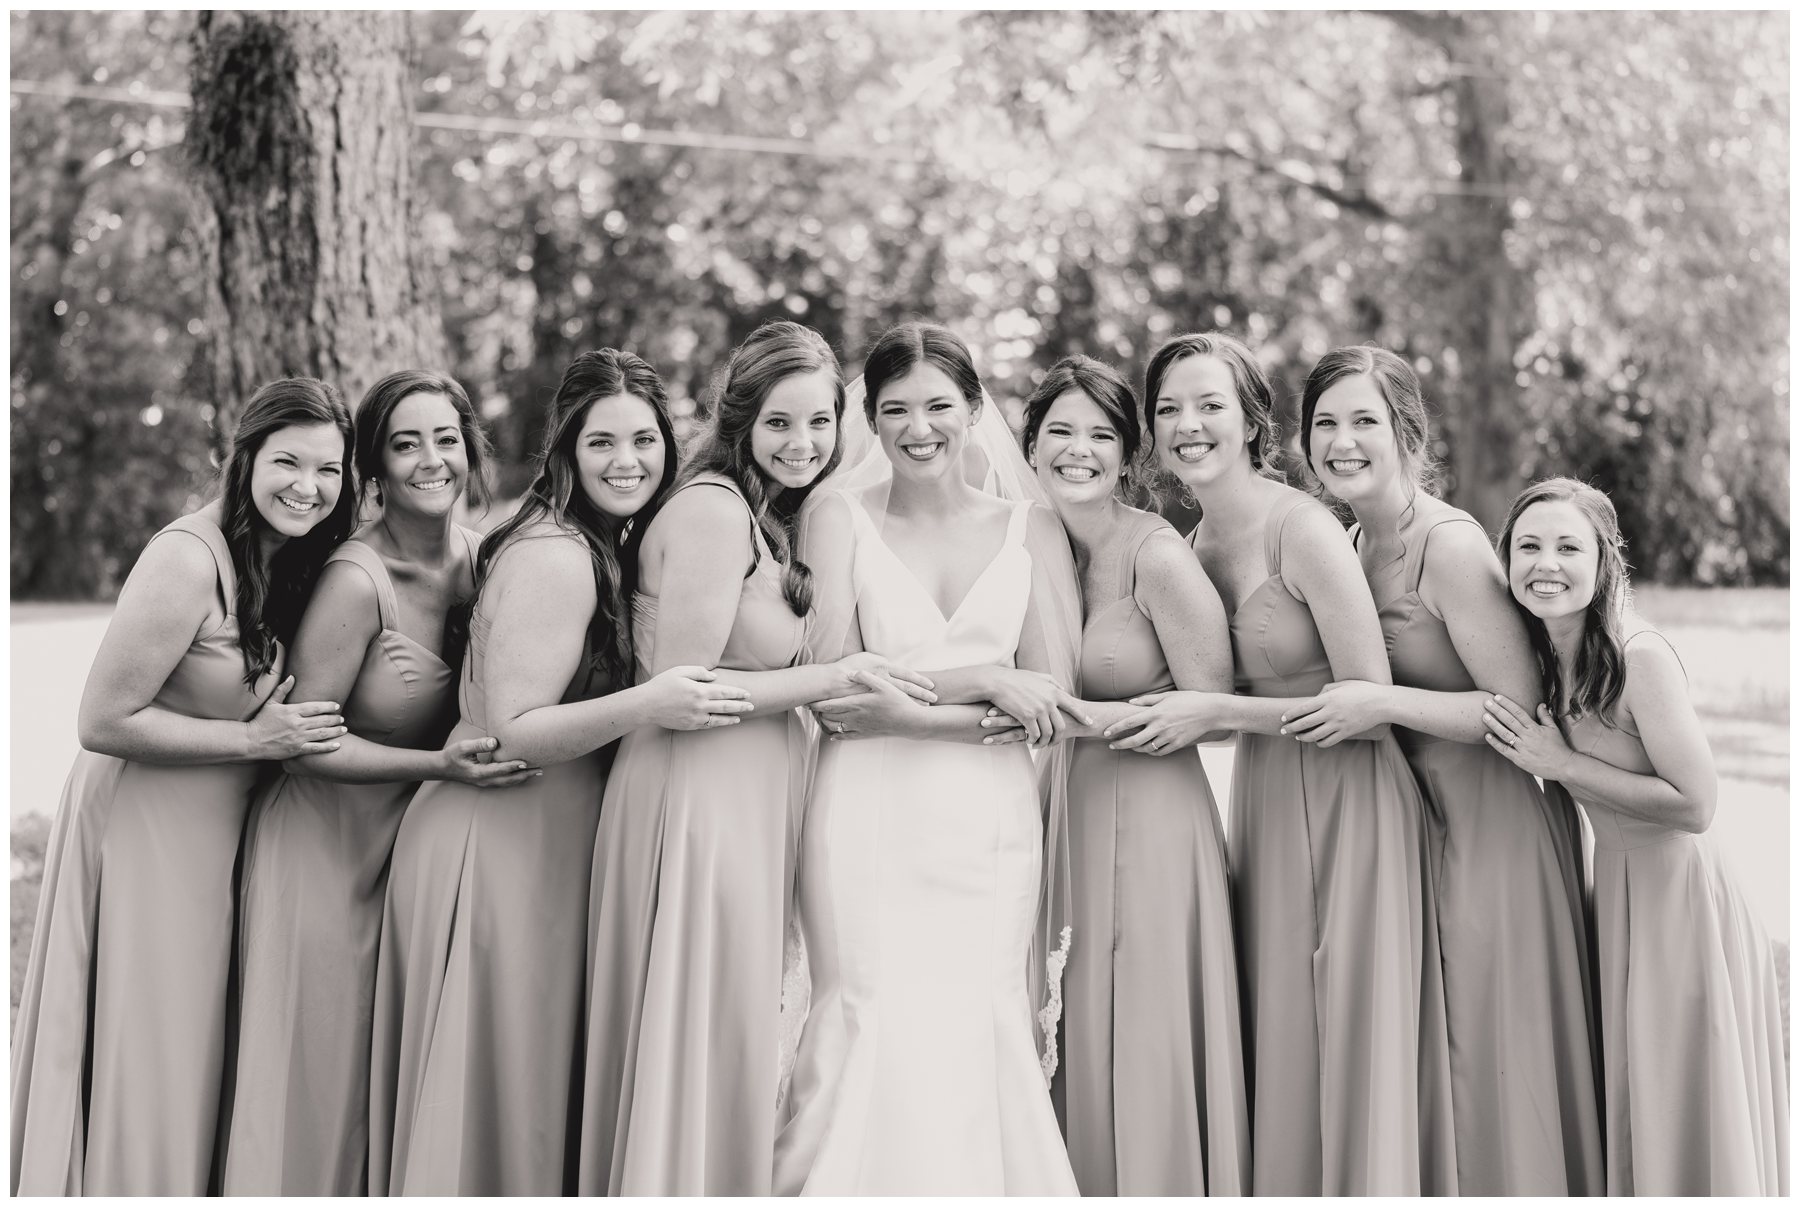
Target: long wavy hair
{"type": "Point", "coordinates": [1109, 390]}
{"type": "Point", "coordinates": [556, 495]}
{"type": "Point", "coordinates": [774, 352]}
{"type": "Point", "coordinates": [1255, 395]}
{"type": "Point", "coordinates": [377, 407]}
{"type": "Point", "coordinates": [1599, 677]}
{"type": "Point", "coordinates": [902, 348]}
{"type": "Point", "coordinates": [272, 595]}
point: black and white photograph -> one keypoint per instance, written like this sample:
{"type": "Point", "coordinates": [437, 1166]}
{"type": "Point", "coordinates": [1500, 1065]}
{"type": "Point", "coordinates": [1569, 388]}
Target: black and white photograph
{"type": "Point", "coordinates": [795, 602]}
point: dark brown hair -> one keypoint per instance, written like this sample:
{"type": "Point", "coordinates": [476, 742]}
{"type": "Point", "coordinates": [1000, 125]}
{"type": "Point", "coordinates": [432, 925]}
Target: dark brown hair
{"type": "Point", "coordinates": [271, 596]}
{"type": "Point", "coordinates": [556, 495]}
{"type": "Point", "coordinates": [1600, 661]}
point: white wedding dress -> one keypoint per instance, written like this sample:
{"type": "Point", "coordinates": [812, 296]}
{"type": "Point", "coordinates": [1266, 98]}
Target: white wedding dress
{"type": "Point", "coordinates": [921, 864]}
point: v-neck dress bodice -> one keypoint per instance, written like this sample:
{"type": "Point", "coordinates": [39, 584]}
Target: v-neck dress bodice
{"type": "Point", "coordinates": [1150, 1089]}
{"type": "Point", "coordinates": [1695, 1063]}
{"type": "Point", "coordinates": [119, 1048]}
{"type": "Point", "coordinates": [315, 863]}
{"type": "Point", "coordinates": [684, 1008]}
{"type": "Point", "coordinates": [918, 1070]}
{"type": "Point", "coordinates": [1343, 1006]}
{"type": "Point", "coordinates": [1507, 888]}
{"type": "Point", "coordinates": [903, 622]}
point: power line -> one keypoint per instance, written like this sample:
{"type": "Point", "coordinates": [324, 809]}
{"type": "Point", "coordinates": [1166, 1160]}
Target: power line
{"type": "Point", "coordinates": [561, 129]}
{"type": "Point", "coordinates": [632, 133]}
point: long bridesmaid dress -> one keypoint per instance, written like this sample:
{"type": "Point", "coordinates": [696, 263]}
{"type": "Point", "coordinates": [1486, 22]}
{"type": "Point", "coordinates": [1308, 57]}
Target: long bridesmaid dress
{"type": "Point", "coordinates": [1696, 1067]}
{"type": "Point", "coordinates": [1507, 870]}
{"type": "Point", "coordinates": [692, 892]}
{"type": "Point", "coordinates": [1150, 1091]}
{"type": "Point", "coordinates": [479, 982]}
{"type": "Point", "coordinates": [120, 1044]}
{"type": "Point", "coordinates": [309, 924]}
{"type": "Point", "coordinates": [1343, 1005]}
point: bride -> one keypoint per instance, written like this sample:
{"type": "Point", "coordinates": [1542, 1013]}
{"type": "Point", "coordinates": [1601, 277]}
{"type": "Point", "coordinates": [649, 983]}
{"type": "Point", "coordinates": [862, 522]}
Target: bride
{"type": "Point", "coordinates": [922, 858]}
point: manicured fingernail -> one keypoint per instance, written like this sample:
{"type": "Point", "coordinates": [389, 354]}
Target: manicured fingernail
{"type": "Point", "coordinates": [1284, 731]}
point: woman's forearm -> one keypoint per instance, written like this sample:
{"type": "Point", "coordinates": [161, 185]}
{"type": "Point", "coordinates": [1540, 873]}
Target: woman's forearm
{"type": "Point", "coordinates": [1646, 797]}
{"type": "Point", "coordinates": [948, 723]}
{"type": "Point", "coordinates": [1456, 716]}
{"type": "Point", "coordinates": [162, 737]}
{"type": "Point", "coordinates": [360, 761]}
{"type": "Point", "coordinates": [777, 691]}
{"type": "Point", "coordinates": [559, 733]}
{"type": "Point", "coordinates": [1262, 714]}
{"type": "Point", "coordinates": [963, 685]}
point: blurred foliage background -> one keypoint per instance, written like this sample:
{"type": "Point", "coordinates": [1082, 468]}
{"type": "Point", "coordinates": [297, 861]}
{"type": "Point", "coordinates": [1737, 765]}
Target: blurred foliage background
{"type": "Point", "coordinates": [1574, 224]}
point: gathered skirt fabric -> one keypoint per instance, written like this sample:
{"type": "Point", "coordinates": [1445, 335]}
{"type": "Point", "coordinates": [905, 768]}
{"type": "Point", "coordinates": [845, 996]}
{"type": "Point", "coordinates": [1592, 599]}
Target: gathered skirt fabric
{"type": "Point", "coordinates": [120, 1046]}
{"type": "Point", "coordinates": [476, 1052]}
{"type": "Point", "coordinates": [314, 885]}
{"type": "Point", "coordinates": [1696, 1067]}
{"type": "Point", "coordinates": [1524, 1044]}
{"type": "Point", "coordinates": [1151, 1090]}
{"type": "Point", "coordinates": [692, 892]}
{"type": "Point", "coordinates": [1343, 1001]}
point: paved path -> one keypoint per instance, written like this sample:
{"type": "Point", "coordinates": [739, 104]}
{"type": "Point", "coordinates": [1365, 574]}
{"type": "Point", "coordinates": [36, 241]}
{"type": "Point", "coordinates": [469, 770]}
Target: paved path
{"type": "Point", "coordinates": [53, 646]}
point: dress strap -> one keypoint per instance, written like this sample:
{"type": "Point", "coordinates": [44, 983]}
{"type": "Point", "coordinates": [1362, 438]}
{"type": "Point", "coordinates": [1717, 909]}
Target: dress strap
{"type": "Point", "coordinates": [1278, 518]}
{"type": "Point", "coordinates": [364, 557]}
{"type": "Point", "coordinates": [1134, 543]}
{"type": "Point", "coordinates": [197, 525]}
{"type": "Point", "coordinates": [1415, 550]}
{"type": "Point", "coordinates": [757, 545]}
{"type": "Point", "coordinates": [1626, 644]}
{"type": "Point", "coordinates": [471, 542]}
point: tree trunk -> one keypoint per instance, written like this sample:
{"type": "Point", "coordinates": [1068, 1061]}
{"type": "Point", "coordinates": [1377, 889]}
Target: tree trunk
{"type": "Point", "coordinates": [1481, 405]}
{"type": "Point", "coordinates": [301, 145]}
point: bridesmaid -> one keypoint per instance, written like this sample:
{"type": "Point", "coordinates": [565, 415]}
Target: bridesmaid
{"type": "Point", "coordinates": [1696, 1072]}
{"type": "Point", "coordinates": [119, 1048]}
{"type": "Point", "coordinates": [479, 981]}
{"type": "Point", "coordinates": [1150, 1092]}
{"type": "Point", "coordinates": [1343, 1008]}
{"type": "Point", "coordinates": [694, 864]}
{"type": "Point", "coordinates": [1506, 860]}
{"type": "Point", "coordinates": [381, 634]}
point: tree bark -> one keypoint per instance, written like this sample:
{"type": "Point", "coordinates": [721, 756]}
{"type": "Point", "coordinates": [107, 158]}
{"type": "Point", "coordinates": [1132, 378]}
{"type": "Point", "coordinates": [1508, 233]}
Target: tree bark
{"type": "Point", "coordinates": [1481, 405]}
{"type": "Point", "coordinates": [300, 142]}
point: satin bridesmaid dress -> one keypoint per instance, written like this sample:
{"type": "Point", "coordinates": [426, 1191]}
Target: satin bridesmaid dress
{"type": "Point", "coordinates": [1343, 1005]}
{"type": "Point", "coordinates": [692, 893]}
{"type": "Point", "coordinates": [479, 984]}
{"type": "Point", "coordinates": [309, 923]}
{"type": "Point", "coordinates": [1512, 926]}
{"type": "Point", "coordinates": [119, 1049]}
{"type": "Point", "coordinates": [922, 866]}
{"type": "Point", "coordinates": [1150, 1091]}
{"type": "Point", "coordinates": [1696, 1067]}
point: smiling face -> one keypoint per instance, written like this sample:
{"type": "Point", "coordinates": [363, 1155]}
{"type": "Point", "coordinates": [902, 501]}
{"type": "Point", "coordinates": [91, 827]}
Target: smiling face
{"type": "Point", "coordinates": [923, 423]}
{"type": "Point", "coordinates": [297, 476]}
{"type": "Point", "coordinates": [1200, 428]}
{"type": "Point", "coordinates": [1553, 560]}
{"type": "Point", "coordinates": [620, 454]}
{"type": "Point", "coordinates": [796, 429]}
{"type": "Point", "coordinates": [1352, 445]}
{"type": "Point", "coordinates": [424, 460]}
{"type": "Point", "coordinates": [1079, 452]}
